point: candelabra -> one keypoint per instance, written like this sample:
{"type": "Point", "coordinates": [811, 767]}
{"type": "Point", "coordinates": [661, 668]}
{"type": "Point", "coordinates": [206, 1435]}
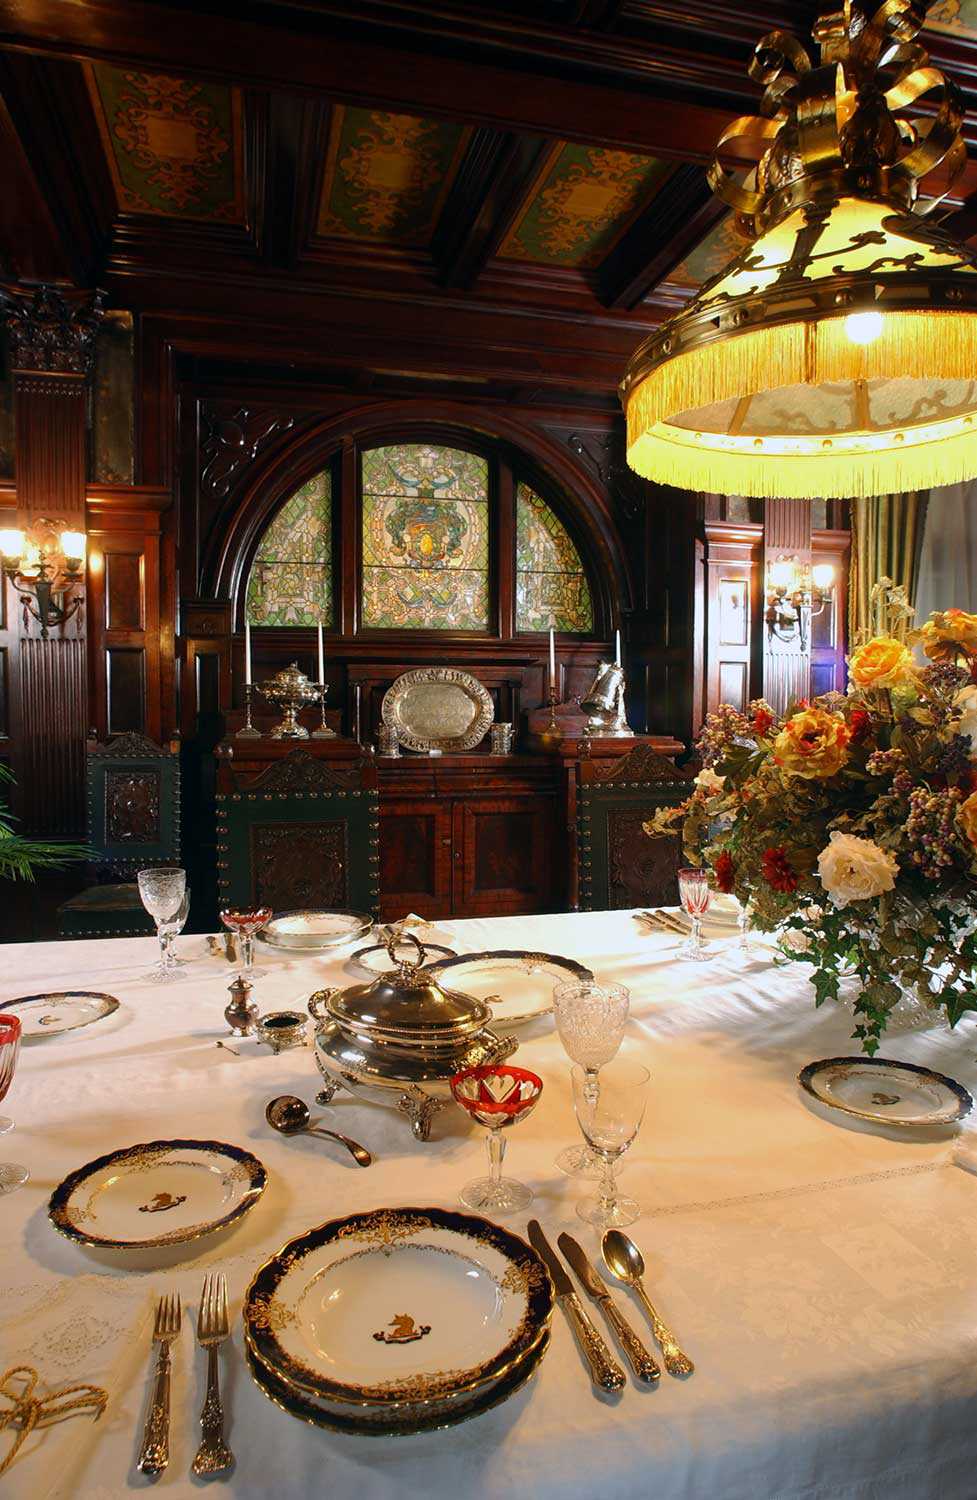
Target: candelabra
{"type": "Point", "coordinates": [47, 567]}
{"type": "Point", "coordinates": [796, 594]}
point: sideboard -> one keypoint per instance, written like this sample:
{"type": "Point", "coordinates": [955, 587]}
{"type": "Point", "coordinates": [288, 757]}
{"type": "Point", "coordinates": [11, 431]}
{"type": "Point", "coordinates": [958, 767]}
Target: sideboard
{"type": "Point", "coordinates": [463, 834]}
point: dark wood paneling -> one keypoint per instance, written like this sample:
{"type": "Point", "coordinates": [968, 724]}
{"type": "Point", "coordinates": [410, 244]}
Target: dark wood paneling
{"type": "Point", "coordinates": [503, 848]}
{"type": "Point", "coordinates": [126, 688]}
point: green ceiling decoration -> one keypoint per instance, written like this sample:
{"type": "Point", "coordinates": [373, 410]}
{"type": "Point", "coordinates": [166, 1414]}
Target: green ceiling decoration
{"type": "Point", "coordinates": [583, 201]}
{"type": "Point", "coordinates": [387, 175]}
{"type": "Point", "coordinates": [711, 255]}
{"type": "Point", "coordinates": [173, 144]}
{"type": "Point", "coordinates": [956, 16]}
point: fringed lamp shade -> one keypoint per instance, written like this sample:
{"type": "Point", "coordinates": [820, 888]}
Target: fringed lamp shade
{"type": "Point", "coordinates": [837, 355]}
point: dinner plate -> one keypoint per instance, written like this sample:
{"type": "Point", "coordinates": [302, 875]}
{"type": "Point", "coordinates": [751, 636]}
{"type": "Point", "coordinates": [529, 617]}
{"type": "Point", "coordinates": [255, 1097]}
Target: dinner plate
{"type": "Point", "coordinates": [398, 1306]}
{"type": "Point", "coordinates": [310, 931]}
{"type": "Point", "coordinates": [885, 1091]}
{"type": "Point", "coordinates": [376, 959]}
{"type": "Point", "coordinates": [156, 1193]}
{"type": "Point", "coordinates": [723, 916]}
{"type": "Point", "coordinates": [517, 984]}
{"type": "Point", "coordinates": [382, 1422]}
{"type": "Point", "coordinates": [62, 1010]}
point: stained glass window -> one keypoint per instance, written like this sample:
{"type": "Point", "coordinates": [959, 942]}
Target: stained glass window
{"type": "Point", "coordinates": [425, 539]}
{"type": "Point", "coordinates": [551, 586]}
{"type": "Point", "coordinates": [291, 577]}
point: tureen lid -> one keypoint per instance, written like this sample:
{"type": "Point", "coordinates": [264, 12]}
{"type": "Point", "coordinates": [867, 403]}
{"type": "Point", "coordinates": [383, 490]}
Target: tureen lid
{"type": "Point", "coordinates": [407, 999]}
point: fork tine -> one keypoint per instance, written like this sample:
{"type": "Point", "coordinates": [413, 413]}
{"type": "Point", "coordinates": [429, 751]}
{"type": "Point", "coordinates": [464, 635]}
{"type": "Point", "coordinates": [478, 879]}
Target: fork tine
{"type": "Point", "coordinates": [202, 1309]}
{"type": "Point", "coordinates": [179, 1313]}
{"type": "Point", "coordinates": [224, 1322]}
{"type": "Point", "coordinates": [214, 1306]}
{"type": "Point", "coordinates": [160, 1316]}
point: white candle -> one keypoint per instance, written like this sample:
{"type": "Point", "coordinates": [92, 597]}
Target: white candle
{"type": "Point", "coordinates": [321, 661]}
{"type": "Point", "coordinates": [617, 648]}
{"type": "Point", "coordinates": [247, 653]}
{"type": "Point", "coordinates": [552, 661]}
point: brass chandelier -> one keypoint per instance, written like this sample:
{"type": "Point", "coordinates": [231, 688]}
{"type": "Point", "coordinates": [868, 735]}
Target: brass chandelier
{"type": "Point", "coordinates": [837, 354]}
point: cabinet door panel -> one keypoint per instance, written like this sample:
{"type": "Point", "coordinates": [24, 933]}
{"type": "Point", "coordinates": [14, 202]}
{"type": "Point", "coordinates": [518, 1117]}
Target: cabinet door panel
{"type": "Point", "coordinates": [502, 856]}
{"type": "Point", "coordinates": [415, 859]}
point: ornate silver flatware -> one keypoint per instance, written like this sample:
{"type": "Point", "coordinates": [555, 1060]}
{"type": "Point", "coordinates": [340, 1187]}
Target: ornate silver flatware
{"type": "Point", "coordinates": [154, 1454]}
{"type": "Point", "coordinates": [640, 1360]}
{"type": "Point", "coordinates": [886, 1092]}
{"type": "Point", "coordinates": [62, 1010]}
{"type": "Point", "coordinates": [290, 1115]}
{"type": "Point", "coordinates": [213, 1327]}
{"type": "Point", "coordinates": [625, 1261]}
{"type": "Point", "coordinates": [605, 1372]}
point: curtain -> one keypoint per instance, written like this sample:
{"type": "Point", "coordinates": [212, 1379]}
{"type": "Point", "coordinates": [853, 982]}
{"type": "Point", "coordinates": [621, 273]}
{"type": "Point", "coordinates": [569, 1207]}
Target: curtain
{"type": "Point", "coordinates": [948, 559]}
{"type": "Point", "coordinates": [887, 534]}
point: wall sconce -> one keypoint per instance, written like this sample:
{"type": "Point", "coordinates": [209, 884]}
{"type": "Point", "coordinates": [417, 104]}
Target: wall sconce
{"type": "Point", "coordinates": [796, 593]}
{"type": "Point", "coordinates": [47, 568]}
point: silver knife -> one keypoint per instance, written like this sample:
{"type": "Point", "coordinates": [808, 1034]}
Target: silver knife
{"type": "Point", "coordinates": [640, 1360]}
{"type": "Point", "coordinates": [605, 1372]}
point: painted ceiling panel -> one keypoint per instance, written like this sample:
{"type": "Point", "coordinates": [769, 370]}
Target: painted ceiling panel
{"type": "Point", "coordinates": [174, 145]}
{"type": "Point", "coordinates": [387, 175]}
{"type": "Point", "coordinates": [956, 16]}
{"type": "Point", "coordinates": [710, 256]}
{"type": "Point", "coordinates": [582, 202]}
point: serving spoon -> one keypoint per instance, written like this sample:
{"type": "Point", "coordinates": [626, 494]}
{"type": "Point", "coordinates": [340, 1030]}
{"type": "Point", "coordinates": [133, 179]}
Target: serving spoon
{"type": "Point", "coordinates": [290, 1115]}
{"type": "Point", "coordinates": [625, 1261]}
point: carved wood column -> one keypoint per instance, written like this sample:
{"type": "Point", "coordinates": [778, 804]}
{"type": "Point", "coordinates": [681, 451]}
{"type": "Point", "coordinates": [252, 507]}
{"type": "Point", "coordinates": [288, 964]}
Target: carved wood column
{"type": "Point", "coordinates": [786, 668]}
{"type": "Point", "coordinates": [52, 339]}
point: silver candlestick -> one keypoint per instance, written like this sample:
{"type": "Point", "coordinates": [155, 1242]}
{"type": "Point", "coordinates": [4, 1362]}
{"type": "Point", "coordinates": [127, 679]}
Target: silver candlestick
{"type": "Point", "coordinates": [323, 732]}
{"type": "Point", "coordinates": [248, 732]}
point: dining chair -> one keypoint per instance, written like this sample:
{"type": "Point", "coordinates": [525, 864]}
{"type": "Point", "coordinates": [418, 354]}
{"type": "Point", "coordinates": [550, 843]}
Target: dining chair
{"type": "Point", "coordinates": [619, 865]}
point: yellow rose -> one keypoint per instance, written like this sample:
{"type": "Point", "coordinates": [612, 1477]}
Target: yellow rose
{"type": "Point", "coordinates": [967, 818]}
{"type": "Point", "coordinates": [812, 744]}
{"type": "Point", "coordinates": [882, 662]}
{"type": "Point", "coordinates": [949, 633]}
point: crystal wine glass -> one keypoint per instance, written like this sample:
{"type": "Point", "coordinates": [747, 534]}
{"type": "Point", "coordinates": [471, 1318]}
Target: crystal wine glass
{"type": "Point", "coordinates": [609, 1120]}
{"type": "Point", "coordinates": [246, 921]}
{"type": "Point", "coordinates": [743, 922]}
{"type": "Point", "coordinates": [11, 1176]}
{"type": "Point", "coordinates": [496, 1097]}
{"type": "Point", "coordinates": [693, 890]}
{"type": "Point", "coordinates": [172, 927]}
{"type": "Point", "coordinates": [590, 1019]}
{"type": "Point", "coordinates": [161, 892]}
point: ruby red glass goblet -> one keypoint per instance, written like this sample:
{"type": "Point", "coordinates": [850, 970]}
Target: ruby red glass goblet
{"type": "Point", "coordinates": [496, 1097]}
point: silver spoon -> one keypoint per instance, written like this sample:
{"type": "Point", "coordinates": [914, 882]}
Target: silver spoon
{"type": "Point", "coordinates": [290, 1115]}
{"type": "Point", "coordinates": [625, 1261]}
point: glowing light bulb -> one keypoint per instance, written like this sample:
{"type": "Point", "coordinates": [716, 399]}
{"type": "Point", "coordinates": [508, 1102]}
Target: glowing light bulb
{"type": "Point", "coordinates": [73, 547]}
{"type": "Point", "coordinates": [823, 575]}
{"type": "Point", "coordinates": [11, 544]}
{"type": "Point", "coordinates": [782, 575]}
{"type": "Point", "coordinates": [863, 327]}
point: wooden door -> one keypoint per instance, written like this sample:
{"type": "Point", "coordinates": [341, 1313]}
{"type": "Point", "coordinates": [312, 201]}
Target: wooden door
{"type": "Point", "coordinates": [502, 856]}
{"type": "Point", "coordinates": [415, 858]}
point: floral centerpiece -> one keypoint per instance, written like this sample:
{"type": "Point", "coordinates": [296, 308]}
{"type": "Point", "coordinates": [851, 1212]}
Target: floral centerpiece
{"type": "Point", "coordinates": [850, 824]}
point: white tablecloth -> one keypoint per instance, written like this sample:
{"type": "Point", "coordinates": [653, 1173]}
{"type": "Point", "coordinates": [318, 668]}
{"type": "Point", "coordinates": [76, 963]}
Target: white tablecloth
{"type": "Point", "coordinates": [823, 1278]}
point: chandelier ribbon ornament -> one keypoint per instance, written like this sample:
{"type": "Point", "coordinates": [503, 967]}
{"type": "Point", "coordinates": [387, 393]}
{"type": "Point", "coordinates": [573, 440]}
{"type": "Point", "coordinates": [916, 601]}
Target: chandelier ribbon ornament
{"type": "Point", "coordinates": [836, 355]}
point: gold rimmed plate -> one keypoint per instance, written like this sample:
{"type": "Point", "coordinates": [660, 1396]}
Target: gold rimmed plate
{"type": "Point", "coordinates": [156, 1193]}
{"type": "Point", "coordinates": [376, 958]}
{"type": "Point", "coordinates": [53, 1013]}
{"type": "Point", "coordinates": [886, 1092]}
{"type": "Point", "coordinates": [518, 985]}
{"type": "Point", "coordinates": [398, 1306]}
{"type": "Point", "coordinates": [311, 931]}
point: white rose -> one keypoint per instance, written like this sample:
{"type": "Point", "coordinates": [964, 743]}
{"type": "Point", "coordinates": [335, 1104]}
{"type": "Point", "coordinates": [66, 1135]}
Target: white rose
{"type": "Point", "coordinates": [965, 703]}
{"type": "Point", "coordinates": [854, 869]}
{"type": "Point", "coordinates": [707, 781]}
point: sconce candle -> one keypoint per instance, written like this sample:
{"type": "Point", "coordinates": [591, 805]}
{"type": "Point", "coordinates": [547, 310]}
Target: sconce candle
{"type": "Point", "coordinates": [322, 664]}
{"type": "Point", "coordinates": [247, 653]}
{"type": "Point", "coordinates": [617, 648]}
{"type": "Point", "coordinates": [552, 660]}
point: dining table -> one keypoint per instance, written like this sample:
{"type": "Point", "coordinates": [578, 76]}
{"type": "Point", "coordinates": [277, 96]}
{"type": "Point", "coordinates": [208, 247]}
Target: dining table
{"type": "Point", "coordinates": [820, 1271]}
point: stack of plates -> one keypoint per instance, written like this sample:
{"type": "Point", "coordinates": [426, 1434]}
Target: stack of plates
{"type": "Point", "coordinates": [398, 1320]}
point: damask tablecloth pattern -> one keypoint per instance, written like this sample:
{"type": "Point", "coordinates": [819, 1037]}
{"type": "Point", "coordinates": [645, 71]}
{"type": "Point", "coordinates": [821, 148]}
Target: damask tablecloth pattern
{"type": "Point", "coordinates": [822, 1276]}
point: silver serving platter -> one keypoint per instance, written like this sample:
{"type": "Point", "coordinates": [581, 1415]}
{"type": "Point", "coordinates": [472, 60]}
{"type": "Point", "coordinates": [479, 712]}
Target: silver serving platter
{"type": "Point", "coordinates": [438, 708]}
{"type": "Point", "coordinates": [886, 1092]}
{"type": "Point", "coordinates": [311, 931]}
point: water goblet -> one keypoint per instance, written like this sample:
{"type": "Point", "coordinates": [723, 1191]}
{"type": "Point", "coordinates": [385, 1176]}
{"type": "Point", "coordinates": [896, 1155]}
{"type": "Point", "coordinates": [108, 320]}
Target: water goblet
{"type": "Point", "coordinates": [172, 927]}
{"type": "Point", "coordinates": [11, 1176]}
{"type": "Point", "coordinates": [496, 1097]}
{"type": "Point", "coordinates": [590, 1020]}
{"type": "Point", "coordinates": [609, 1120]}
{"type": "Point", "coordinates": [693, 890]}
{"type": "Point", "coordinates": [161, 892]}
{"type": "Point", "coordinates": [245, 922]}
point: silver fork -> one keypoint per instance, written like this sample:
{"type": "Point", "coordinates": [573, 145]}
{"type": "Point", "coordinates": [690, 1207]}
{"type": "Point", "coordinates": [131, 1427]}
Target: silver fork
{"type": "Point", "coordinates": [154, 1454]}
{"type": "Point", "coordinates": [213, 1327]}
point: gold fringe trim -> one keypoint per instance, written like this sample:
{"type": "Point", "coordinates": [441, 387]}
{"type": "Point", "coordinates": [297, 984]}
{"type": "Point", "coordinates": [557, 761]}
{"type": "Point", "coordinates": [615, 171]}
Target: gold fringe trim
{"type": "Point", "coordinates": [920, 345]}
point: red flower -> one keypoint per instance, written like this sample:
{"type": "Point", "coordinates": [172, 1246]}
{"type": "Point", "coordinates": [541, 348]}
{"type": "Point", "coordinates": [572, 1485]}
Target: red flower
{"type": "Point", "coordinates": [724, 871]}
{"type": "Point", "coordinates": [762, 722]}
{"type": "Point", "coordinates": [778, 871]}
{"type": "Point", "coordinates": [860, 723]}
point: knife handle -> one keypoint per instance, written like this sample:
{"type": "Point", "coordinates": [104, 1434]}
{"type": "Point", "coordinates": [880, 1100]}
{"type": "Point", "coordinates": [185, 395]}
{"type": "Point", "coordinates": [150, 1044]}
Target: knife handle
{"type": "Point", "coordinates": [640, 1360]}
{"type": "Point", "coordinates": [604, 1371]}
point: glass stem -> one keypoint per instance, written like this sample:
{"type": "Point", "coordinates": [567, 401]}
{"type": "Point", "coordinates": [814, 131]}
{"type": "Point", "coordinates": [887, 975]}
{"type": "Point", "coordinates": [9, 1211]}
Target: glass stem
{"type": "Point", "coordinates": [162, 944]}
{"type": "Point", "coordinates": [247, 951]}
{"type": "Point", "coordinates": [607, 1189]}
{"type": "Point", "coordinates": [696, 933]}
{"type": "Point", "coordinates": [496, 1152]}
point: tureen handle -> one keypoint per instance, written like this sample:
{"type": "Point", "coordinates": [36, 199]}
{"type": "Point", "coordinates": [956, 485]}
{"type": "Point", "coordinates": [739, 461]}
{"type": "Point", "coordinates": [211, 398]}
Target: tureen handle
{"type": "Point", "coordinates": [316, 1001]}
{"type": "Point", "coordinates": [393, 938]}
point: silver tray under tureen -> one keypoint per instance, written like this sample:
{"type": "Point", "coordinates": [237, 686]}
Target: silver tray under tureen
{"type": "Point", "coordinates": [400, 1039]}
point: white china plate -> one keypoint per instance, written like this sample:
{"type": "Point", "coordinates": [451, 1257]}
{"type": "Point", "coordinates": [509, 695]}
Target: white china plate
{"type": "Point", "coordinates": [517, 984]}
{"type": "Point", "coordinates": [308, 931]}
{"type": "Point", "coordinates": [156, 1193]}
{"type": "Point", "coordinates": [376, 959]}
{"type": "Point", "coordinates": [398, 1305]}
{"type": "Point", "coordinates": [63, 1010]}
{"type": "Point", "coordinates": [885, 1091]}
